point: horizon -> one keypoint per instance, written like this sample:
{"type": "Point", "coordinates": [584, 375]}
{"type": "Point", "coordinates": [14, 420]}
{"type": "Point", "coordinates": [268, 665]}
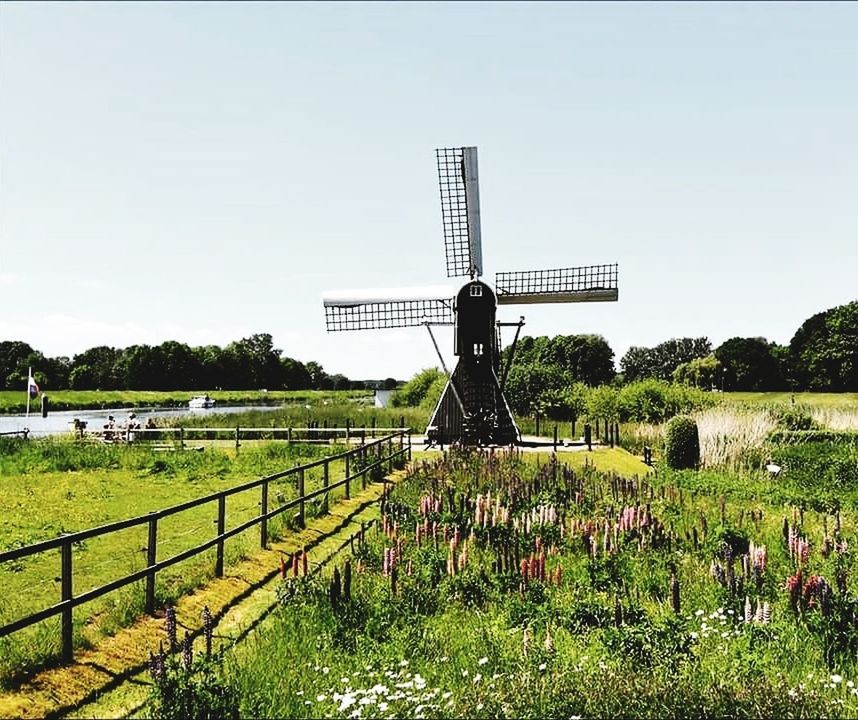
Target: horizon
{"type": "Point", "coordinates": [203, 172]}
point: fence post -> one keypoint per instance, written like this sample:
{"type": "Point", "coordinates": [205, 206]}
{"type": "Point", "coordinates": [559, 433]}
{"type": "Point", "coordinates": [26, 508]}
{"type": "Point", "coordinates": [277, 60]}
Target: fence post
{"type": "Point", "coordinates": [181, 438]}
{"type": "Point", "coordinates": [363, 473]}
{"type": "Point", "coordinates": [301, 495]}
{"type": "Point", "coordinates": [373, 427]}
{"type": "Point", "coordinates": [237, 444]}
{"type": "Point", "coordinates": [409, 447]}
{"type": "Point", "coordinates": [348, 471]}
{"type": "Point", "coordinates": [66, 594]}
{"type": "Point", "coordinates": [617, 433]}
{"type": "Point", "coordinates": [289, 435]}
{"type": "Point", "coordinates": [326, 481]}
{"type": "Point", "coordinates": [347, 436]}
{"type": "Point", "coordinates": [151, 559]}
{"type": "Point", "coordinates": [263, 526]}
{"type": "Point", "coordinates": [221, 526]}
{"type": "Point", "coordinates": [555, 437]}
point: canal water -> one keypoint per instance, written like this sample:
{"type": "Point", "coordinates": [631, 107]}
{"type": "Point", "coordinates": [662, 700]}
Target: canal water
{"type": "Point", "coordinates": [58, 422]}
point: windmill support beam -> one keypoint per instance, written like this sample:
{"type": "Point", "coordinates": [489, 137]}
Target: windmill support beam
{"type": "Point", "coordinates": [446, 371]}
{"type": "Point", "coordinates": [508, 364]}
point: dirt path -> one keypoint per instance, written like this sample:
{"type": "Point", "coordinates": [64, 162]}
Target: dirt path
{"type": "Point", "coordinates": [112, 680]}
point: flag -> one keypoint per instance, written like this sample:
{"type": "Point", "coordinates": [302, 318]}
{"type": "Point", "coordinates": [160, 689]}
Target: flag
{"type": "Point", "coordinates": [32, 387]}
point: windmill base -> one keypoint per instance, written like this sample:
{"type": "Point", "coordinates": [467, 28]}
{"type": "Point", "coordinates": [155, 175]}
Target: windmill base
{"type": "Point", "coordinates": [472, 410]}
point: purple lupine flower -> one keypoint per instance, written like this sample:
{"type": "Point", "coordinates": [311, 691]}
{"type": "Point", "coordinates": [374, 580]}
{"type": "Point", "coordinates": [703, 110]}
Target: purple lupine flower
{"type": "Point", "coordinates": [170, 626]}
{"type": "Point", "coordinates": [187, 651]}
{"type": "Point", "coordinates": [208, 629]}
{"type": "Point", "coordinates": [156, 667]}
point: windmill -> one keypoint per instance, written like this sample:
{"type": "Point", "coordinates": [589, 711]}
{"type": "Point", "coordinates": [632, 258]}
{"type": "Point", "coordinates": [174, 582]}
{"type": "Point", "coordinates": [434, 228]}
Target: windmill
{"type": "Point", "coordinates": [472, 409]}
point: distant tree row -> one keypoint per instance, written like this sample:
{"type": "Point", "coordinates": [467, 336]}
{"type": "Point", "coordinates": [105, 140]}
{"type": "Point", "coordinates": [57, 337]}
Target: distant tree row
{"type": "Point", "coordinates": [550, 373]}
{"type": "Point", "coordinates": [249, 363]}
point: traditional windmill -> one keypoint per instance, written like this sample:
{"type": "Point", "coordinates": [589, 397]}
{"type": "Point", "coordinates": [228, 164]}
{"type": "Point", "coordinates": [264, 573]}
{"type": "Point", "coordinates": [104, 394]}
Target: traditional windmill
{"type": "Point", "coordinates": [472, 409]}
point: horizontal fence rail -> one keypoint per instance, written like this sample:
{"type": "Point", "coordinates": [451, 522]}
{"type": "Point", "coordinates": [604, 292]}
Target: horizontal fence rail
{"type": "Point", "coordinates": [382, 453]}
{"type": "Point", "coordinates": [121, 433]}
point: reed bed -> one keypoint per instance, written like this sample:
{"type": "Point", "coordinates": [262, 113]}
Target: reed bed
{"type": "Point", "coordinates": [730, 437]}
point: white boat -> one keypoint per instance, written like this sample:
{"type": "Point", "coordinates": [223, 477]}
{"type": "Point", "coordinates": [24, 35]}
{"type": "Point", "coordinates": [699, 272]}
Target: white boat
{"type": "Point", "coordinates": [201, 402]}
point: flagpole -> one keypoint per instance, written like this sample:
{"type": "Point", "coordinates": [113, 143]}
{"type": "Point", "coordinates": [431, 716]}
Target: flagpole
{"type": "Point", "coordinates": [29, 375]}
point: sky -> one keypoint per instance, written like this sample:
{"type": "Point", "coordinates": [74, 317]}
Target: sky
{"type": "Point", "coordinates": [204, 171]}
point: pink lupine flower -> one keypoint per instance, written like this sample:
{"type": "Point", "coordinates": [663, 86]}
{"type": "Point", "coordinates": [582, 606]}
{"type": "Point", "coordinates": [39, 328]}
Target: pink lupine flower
{"type": "Point", "coordinates": [767, 612]}
{"type": "Point", "coordinates": [794, 587]}
{"type": "Point", "coordinates": [748, 612]}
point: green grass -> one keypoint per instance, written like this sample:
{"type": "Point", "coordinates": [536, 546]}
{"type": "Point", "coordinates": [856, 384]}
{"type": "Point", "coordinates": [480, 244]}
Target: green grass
{"type": "Point", "coordinates": [50, 487]}
{"type": "Point", "coordinates": [809, 399]}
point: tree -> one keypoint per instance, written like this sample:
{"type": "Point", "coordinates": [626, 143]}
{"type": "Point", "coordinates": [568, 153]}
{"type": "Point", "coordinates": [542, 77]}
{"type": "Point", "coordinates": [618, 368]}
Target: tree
{"type": "Point", "coordinates": [586, 358]}
{"type": "Point", "coordinates": [529, 383]}
{"type": "Point", "coordinates": [824, 350]}
{"type": "Point", "coordinates": [295, 374]}
{"type": "Point", "coordinates": [14, 355]}
{"type": "Point", "coordinates": [701, 372]}
{"type": "Point", "coordinates": [319, 379]}
{"type": "Point", "coordinates": [413, 392]}
{"type": "Point", "coordinates": [660, 361]}
{"type": "Point", "coordinates": [102, 371]}
{"type": "Point", "coordinates": [749, 364]}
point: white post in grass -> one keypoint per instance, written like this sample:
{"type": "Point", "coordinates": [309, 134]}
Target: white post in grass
{"type": "Point", "coordinates": [29, 375]}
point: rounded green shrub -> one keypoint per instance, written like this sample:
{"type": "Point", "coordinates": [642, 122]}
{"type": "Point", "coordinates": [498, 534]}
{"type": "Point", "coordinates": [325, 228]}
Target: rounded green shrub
{"type": "Point", "coordinates": [682, 443]}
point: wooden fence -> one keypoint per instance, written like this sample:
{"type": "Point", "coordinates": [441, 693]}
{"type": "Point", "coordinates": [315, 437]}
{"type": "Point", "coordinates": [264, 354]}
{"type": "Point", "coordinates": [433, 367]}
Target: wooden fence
{"type": "Point", "coordinates": [314, 433]}
{"type": "Point", "coordinates": [360, 461]}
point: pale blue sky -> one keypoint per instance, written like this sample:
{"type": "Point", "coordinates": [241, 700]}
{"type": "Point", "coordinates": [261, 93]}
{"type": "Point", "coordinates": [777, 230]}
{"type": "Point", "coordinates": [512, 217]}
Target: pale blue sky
{"type": "Point", "coordinates": [201, 172]}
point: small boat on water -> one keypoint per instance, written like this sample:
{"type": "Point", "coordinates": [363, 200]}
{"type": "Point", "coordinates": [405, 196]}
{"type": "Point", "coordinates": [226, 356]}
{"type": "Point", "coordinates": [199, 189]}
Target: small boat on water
{"type": "Point", "coordinates": [201, 402]}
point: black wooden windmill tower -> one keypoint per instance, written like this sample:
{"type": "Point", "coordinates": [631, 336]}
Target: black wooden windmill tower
{"type": "Point", "coordinates": [472, 409]}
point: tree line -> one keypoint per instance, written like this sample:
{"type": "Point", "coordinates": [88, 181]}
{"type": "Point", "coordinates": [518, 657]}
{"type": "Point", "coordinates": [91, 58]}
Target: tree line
{"type": "Point", "coordinates": [551, 373]}
{"type": "Point", "coordinates": [822, 356]}
{"type": "Point", "coordinates": [246, 364]}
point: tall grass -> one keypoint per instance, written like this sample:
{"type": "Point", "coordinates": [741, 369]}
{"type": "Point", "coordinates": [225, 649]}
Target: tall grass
{"type": "Point", "coordinates": [835, 418]}
{"type": "Point", "coordinates": [731, 437]}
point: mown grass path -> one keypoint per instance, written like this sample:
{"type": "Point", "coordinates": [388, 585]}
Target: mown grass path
{"type": "Point", "coordinates": [111, 679]}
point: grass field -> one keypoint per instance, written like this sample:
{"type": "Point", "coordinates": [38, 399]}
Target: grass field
{"type": "Point", "coordinates": [55, 487]}
{"type": "Point", "coordinates": [807, 399]}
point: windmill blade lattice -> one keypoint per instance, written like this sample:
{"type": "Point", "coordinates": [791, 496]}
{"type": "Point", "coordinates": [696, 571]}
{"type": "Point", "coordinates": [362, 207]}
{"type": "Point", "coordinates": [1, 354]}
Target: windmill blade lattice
{"type": "Point", "coordinates": [378, 309]}
{"type": "Point", "coordinates": [592, 283]}
{"type": "Point", "coordinates": [458, 179]}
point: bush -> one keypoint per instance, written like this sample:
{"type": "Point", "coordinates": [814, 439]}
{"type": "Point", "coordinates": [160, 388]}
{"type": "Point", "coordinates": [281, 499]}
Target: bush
{"type": "Point", "coordinates": [682, 443]}
{"type": "Point", "coordinates": [415, 391]}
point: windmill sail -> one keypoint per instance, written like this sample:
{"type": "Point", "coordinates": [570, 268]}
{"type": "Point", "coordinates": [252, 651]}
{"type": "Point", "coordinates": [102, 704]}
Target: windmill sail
{"type": "Point", "coordinates": [388, 308]}
{"type": "Point", "coordinates": [458, 179]}
{"type": "Point", "coordinates": [593, 283]}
